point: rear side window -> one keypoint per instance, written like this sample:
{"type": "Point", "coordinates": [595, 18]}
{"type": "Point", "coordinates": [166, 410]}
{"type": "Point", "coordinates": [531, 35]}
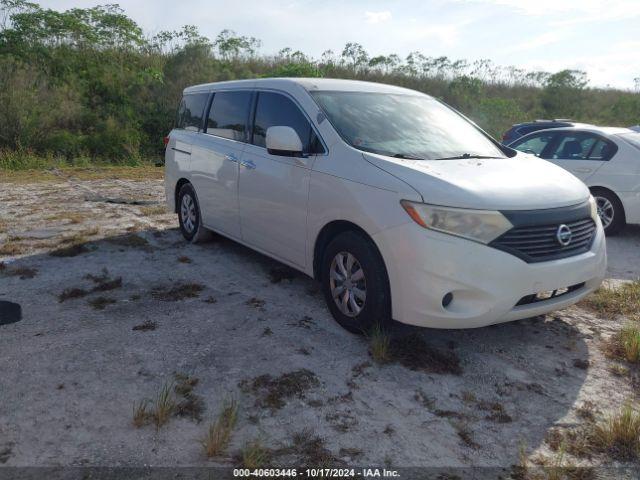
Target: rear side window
{"type": "Point", "coordinates": [602, 151]}
{"type": "Point", "coordinates": [191, 111]}
{"type": "Point", "coordinates": [274, 110]}
{"type": "Point", "coordinates": [228, 115]}
{"type": "Point", "coordinates": [582, 146]}
{"type": "Point", "coordinates": [534, 144]}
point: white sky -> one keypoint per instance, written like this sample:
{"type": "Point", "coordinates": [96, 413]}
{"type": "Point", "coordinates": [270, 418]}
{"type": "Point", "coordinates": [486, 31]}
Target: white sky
{"type": "Point", "coordinates": [599, 36]}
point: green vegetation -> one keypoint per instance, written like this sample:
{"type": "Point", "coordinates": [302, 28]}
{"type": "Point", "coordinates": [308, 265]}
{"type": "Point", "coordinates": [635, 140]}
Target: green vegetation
{"type": "Point", "coordinates": [87, 86]}
{"type": "Point", "coordinates": [219, 432]}
{"type": "Point", "coordinates": [612, 301]}
{"type": "Point", "coordinates": [625, 344]}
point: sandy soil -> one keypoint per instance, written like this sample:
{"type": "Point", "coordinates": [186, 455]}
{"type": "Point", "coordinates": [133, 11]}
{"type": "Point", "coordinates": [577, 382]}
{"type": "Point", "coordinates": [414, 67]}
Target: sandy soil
{"type": "Point", "coordinates": [71, 370]}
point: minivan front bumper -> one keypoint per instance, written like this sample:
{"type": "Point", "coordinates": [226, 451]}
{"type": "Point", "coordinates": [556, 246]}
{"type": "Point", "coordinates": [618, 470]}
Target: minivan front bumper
{"type": "Point", "coordinates": [486, 283]}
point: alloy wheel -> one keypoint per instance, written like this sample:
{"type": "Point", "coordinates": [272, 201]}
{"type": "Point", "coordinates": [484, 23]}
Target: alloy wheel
{"type": "Point", "coordinates": [605, 211]}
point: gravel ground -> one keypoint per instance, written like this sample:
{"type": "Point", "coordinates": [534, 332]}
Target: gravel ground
{"type": "Point", "coordinates": [147, 308]}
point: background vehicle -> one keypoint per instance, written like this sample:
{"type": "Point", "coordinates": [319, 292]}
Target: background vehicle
{"type": "Point", "coordinates": [398, 205]}
{"type": "Point", "coordinates": [606, 159]}
{"type": "Point", "coordinates": [520, 129]}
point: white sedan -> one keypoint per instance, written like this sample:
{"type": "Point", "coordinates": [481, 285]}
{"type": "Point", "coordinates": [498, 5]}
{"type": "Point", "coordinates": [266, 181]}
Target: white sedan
{"type": "Point", "coordinates": [606, 159]}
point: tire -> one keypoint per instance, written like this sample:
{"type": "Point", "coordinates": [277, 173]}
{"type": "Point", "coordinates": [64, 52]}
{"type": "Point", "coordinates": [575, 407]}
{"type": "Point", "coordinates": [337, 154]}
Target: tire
{"type": "Point", "coordinates": [610, 211]}
{"type": "Point", "coordinates": [189, 215]}
{"type": "Point", "coordinates": [363, 314]}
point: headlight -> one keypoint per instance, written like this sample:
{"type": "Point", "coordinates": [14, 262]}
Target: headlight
{"type": "Point", "coordinates": [594, 208]}
{"type": "Point", "coordinates": [478, 225]}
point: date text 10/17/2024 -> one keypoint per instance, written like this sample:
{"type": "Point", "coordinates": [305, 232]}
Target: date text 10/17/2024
{"type": "Point", "coordinates": [317, 472]}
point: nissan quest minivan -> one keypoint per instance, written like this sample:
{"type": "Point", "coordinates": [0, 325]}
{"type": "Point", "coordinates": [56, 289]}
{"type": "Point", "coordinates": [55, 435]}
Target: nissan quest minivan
{"type": "Point", "coordinates": [398, 205]}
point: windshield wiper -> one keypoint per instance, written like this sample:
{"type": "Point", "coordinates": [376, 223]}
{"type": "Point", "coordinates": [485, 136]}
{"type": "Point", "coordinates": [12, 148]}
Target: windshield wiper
{"type": "Point", "coordinates": [406, 156]}
{"type": "Point", "coordinates": [464, 156]}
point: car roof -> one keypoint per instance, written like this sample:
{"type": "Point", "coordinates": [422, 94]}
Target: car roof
{"type": "Point", "coordinates": [309, 84]}
{"type": "Point", "coordinates": [543, 122]}
{"type": "Point", "coordinates": [588, 128]}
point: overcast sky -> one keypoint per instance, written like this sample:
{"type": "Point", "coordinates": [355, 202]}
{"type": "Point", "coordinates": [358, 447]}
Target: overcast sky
{"type": "Point", "coordinates": [601, 37]}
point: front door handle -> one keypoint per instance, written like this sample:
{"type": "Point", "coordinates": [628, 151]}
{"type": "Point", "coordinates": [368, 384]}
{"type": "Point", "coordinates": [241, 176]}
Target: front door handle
{"type": "Point", "coordinates": [231, 157]}
{"type": "Point", "coordinates": [582, 170]}
{"type": "Point", "coordinates": [248, 164]}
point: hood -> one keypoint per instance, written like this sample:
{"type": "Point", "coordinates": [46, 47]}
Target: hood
{"type": "Point", "coordinates": [523, 182]}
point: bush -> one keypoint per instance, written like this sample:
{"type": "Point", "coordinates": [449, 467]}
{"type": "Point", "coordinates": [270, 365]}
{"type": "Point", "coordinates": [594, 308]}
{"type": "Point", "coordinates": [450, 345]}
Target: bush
{"type": "Point", "coordinates": [87, 85]}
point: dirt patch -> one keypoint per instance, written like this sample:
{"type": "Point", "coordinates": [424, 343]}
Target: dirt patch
{"type": "Point", "coordinates": [305, 322]}
{"type": "Point", "coordinates": [5, 453]}
{"type": "Point", "coordinates": [102, 283]}
{"type": "Point", "coordinates": [131, 240]}
{"type": "Point", "coordinates": [189, 404]}
{"type": "Point", "coordinates": [70, 251]}
{"type": "Point", "coordinates": [309, 451]}
{"type": "Point", "coordinates": [496, 411]}
{"type": "Point", "coordinates": [100, 303]}
{"type": "Point", "coordinates": [273, 392]}
{"type": "Point", "coordinates": [153, 210]}
{"type": "Point", "coordinates": [425, 400]}
{"type": "Point", "coordinates": [281, 272]}
{"type": "Point", "coordinates": [71, 293]}
{"type": "Point", "coordinates": [342, 421]}
{"type": "Point", "coordinates": [13, 247]}
{"type": "Point", "coordinates": [412, 352]}
{"type": "Point", "coordinates": [23, 272]}
{"type": "Point", "coordinates": [256, 303]}
{"type": "Point", "coordinates": [145, 326]}
{"type": "Point", "coordinates": [465, 434]}
{"type": "Point", "coordinates": [175, 293]}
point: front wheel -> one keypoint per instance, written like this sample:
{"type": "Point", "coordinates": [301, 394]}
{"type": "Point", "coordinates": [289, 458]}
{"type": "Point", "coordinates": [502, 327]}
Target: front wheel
{"type": "Point", "coordinates": [189, 215]}
{"type": "Point", "coordinates": [610, 211]}
{"type": "Point", "coordinates": [355, 283]}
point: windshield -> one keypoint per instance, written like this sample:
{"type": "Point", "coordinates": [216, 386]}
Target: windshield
{"type": "Point", "coordinates": [632, 138]}
{"type": "Point", "coordinates": [403, 126]}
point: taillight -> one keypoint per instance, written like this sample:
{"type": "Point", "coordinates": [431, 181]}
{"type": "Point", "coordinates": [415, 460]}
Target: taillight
{"type": "Point", "coordinates": [166, 140]}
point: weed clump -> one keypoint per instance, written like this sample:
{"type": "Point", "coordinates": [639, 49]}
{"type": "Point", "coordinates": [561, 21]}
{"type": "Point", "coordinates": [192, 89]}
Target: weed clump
{"type": "Point", "coordinates": [273, 392]}
{"type": "Point", "coordinates": [178, 292]}
{"type": "Point", "coordinates": [219, 433]}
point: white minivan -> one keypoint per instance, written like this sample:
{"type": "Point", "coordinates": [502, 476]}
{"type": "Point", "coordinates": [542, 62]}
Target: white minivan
{"type": "Point", "coordinates": [398, 205]}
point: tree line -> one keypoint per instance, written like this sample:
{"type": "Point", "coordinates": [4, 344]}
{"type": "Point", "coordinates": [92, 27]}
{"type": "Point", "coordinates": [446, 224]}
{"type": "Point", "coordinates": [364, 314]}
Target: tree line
{"type": "Point", "coordinates": [89, 86]}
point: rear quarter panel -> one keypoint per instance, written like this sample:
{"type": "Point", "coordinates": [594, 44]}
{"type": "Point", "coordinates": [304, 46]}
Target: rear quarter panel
{"type": "Point", "coordinates": [621, 175]}
{"type": "Point", "coordinates": [176, 163]}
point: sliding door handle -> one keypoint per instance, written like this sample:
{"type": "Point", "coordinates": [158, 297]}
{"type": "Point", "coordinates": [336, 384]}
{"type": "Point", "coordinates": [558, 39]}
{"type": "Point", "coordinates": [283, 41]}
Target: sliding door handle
{"type": "Point", "coordinates": [231, 157]}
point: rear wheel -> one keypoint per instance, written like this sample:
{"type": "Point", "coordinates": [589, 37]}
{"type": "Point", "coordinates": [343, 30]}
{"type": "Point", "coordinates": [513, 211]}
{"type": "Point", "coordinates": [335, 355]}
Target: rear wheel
{"type": "Point", "coordinates": [610, 211]}
{"type": "Point", "coordinates": [189, 215]}
{"type": "Point", "coordinates": [355, 283]}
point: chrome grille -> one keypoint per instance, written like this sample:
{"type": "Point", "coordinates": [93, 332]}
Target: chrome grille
{"type": "Point", "coordinates": [540, 243]}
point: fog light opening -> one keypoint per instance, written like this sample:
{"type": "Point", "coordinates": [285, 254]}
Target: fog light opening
{"type": "Point", "coordinates": [447, 299]}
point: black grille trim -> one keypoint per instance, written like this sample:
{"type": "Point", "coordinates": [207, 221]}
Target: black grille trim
{"type": "Point", "coordinates": [533, 298]}
{"type": "Point", "coordinates": [533, 237]}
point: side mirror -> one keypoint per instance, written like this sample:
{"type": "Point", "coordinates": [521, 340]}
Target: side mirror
{"type": "Point", "coordinates": [283, 141]}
